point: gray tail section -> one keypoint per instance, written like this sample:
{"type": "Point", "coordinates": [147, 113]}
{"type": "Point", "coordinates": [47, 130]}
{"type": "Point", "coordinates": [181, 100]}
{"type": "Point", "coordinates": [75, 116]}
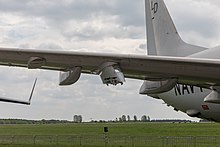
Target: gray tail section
{"type": "Point", "coordinates": [162, 36]}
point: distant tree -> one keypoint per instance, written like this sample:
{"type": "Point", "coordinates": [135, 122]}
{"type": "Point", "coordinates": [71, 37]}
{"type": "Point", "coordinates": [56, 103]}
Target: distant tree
{"type": "Point", "coordinates": [148, 118]}
{"type": "Point", "coordinates": [123, 118]}
{"type": "Point", "coordinates": [120, 119]}
{"type": "Point", "coordinates": [128, 118]}
{"type": "Point", "coordinates": [144, 118]}
{"type": "Point", "coordinates": [43, 121]}
{"type": "Point", "coordinates": [77, 118]}
{"type": "Point", "coordinates": [80, 118]}
{"type": "Point", "coordinates": [135, 118]}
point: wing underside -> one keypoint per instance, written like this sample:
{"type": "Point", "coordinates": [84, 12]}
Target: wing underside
{"type": "Point", "coordinates": [186, 70]}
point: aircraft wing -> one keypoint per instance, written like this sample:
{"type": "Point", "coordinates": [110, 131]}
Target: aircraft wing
{"type": "Point", "coordinates": [186, 70]}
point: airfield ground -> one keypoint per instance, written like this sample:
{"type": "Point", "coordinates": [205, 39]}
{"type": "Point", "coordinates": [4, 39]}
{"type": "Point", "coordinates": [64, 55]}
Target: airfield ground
{"type": "Point", "coordinates": [120, 134]}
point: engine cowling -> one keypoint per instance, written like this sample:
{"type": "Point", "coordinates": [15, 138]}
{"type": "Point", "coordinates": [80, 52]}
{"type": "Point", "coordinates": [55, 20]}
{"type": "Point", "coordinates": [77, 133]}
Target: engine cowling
{"type": "Point", "coordinates": [156, 87]}
{"type": "Point", "coordinates": [70, 77]}
{"type": "Point", "coordinates": [111, 74]}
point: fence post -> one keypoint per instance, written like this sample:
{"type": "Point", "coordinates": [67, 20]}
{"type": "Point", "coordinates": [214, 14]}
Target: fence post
{"type": "Point", "coordinates": [12, 139]}
{"type": "Point", "coordinates": [132, 141]}
{"type": "Point", "coordinates": [105, 136]}
{"type": "Point", "coordinates": [57, 141]}
{"type": "Point", "coordinates": [164, 141]}
{"type": "Point", "coordinates": [80, 141]}
{"type": "Point", "coordinates": [194, 138]}
{"type": "Point", "coordinates": [34, 137]}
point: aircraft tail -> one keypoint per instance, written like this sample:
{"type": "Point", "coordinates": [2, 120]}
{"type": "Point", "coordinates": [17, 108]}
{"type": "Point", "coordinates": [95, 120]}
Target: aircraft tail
{"type": "Point", "coordinates": [162, 36]}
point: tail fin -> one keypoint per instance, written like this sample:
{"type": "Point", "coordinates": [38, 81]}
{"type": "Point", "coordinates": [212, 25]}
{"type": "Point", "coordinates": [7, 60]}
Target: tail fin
{"type": "Point", "coordinates": [162, 36]}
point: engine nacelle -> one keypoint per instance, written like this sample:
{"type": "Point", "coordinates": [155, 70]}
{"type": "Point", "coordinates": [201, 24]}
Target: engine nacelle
{"type": "Point", "coordinates": [156, 87]}
{"type": "Point", "coordinates": [111, 74]}
{"type": "Point", "coordinates": [70, 77]}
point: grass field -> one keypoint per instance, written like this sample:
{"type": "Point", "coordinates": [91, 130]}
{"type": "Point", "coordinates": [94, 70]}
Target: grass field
{"type": "Point", "coordinates": [128, 129]}
{"type": "Point", "coordinates": [93, 132]}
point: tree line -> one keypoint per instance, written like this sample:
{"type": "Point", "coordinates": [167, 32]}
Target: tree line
{"type": "Point", "coordinates": [24, 121]}
{"type": "Point", "coordinates": [126, 118]}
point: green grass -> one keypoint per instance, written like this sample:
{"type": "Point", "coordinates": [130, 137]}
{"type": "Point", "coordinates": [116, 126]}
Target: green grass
{"type": "Point", "coordinates": [120, 134]}
{"type": "Point", "coordinates": [127, 129]}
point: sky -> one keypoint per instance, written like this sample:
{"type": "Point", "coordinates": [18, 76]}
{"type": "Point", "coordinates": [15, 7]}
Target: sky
{"type": "Point", "coordinates": [116, 26]}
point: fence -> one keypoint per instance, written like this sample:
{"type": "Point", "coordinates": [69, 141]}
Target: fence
{"type": "Point", "coordinates": [109, 141]}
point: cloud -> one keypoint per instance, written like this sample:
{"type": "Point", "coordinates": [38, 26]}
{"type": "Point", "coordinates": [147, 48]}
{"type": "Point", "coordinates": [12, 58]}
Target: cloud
{"type": "Point", "coordinates": [194, 20]}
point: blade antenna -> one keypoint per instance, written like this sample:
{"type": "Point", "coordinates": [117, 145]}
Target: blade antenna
{"type": "Point", "coordinates": [32, 91]}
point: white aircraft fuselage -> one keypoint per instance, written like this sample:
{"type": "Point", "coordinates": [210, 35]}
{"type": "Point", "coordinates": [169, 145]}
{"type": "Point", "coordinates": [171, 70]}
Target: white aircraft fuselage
{"type": "Point", "coordinates": [188, 98]}
{"type": "Point", "coordinates": [201, 100]}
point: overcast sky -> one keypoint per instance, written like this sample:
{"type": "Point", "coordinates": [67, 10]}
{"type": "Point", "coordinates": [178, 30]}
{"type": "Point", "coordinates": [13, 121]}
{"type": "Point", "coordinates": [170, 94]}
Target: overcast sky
{"type": "Point", "coordinates": [116, 26]}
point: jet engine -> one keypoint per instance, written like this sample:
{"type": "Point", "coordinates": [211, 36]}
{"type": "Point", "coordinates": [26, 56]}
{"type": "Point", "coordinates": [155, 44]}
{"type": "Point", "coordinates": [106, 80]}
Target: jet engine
{"type": "Point", "coordinates": [156, 87]}
{"type": "Point", "coordinates": [111, 74]}
{"type": "Point", "coordinates": [70, 77]}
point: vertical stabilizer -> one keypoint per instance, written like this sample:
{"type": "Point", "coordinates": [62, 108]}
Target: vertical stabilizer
{"type": "Point", "coordinates": [162, 36]}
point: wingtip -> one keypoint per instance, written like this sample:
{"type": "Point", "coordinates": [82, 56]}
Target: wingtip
{"type": "Point", "coordinates": [32, 91]}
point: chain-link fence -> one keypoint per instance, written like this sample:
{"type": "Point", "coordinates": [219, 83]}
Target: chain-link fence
{"type": "Point", "coordinates": [109, 140]}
